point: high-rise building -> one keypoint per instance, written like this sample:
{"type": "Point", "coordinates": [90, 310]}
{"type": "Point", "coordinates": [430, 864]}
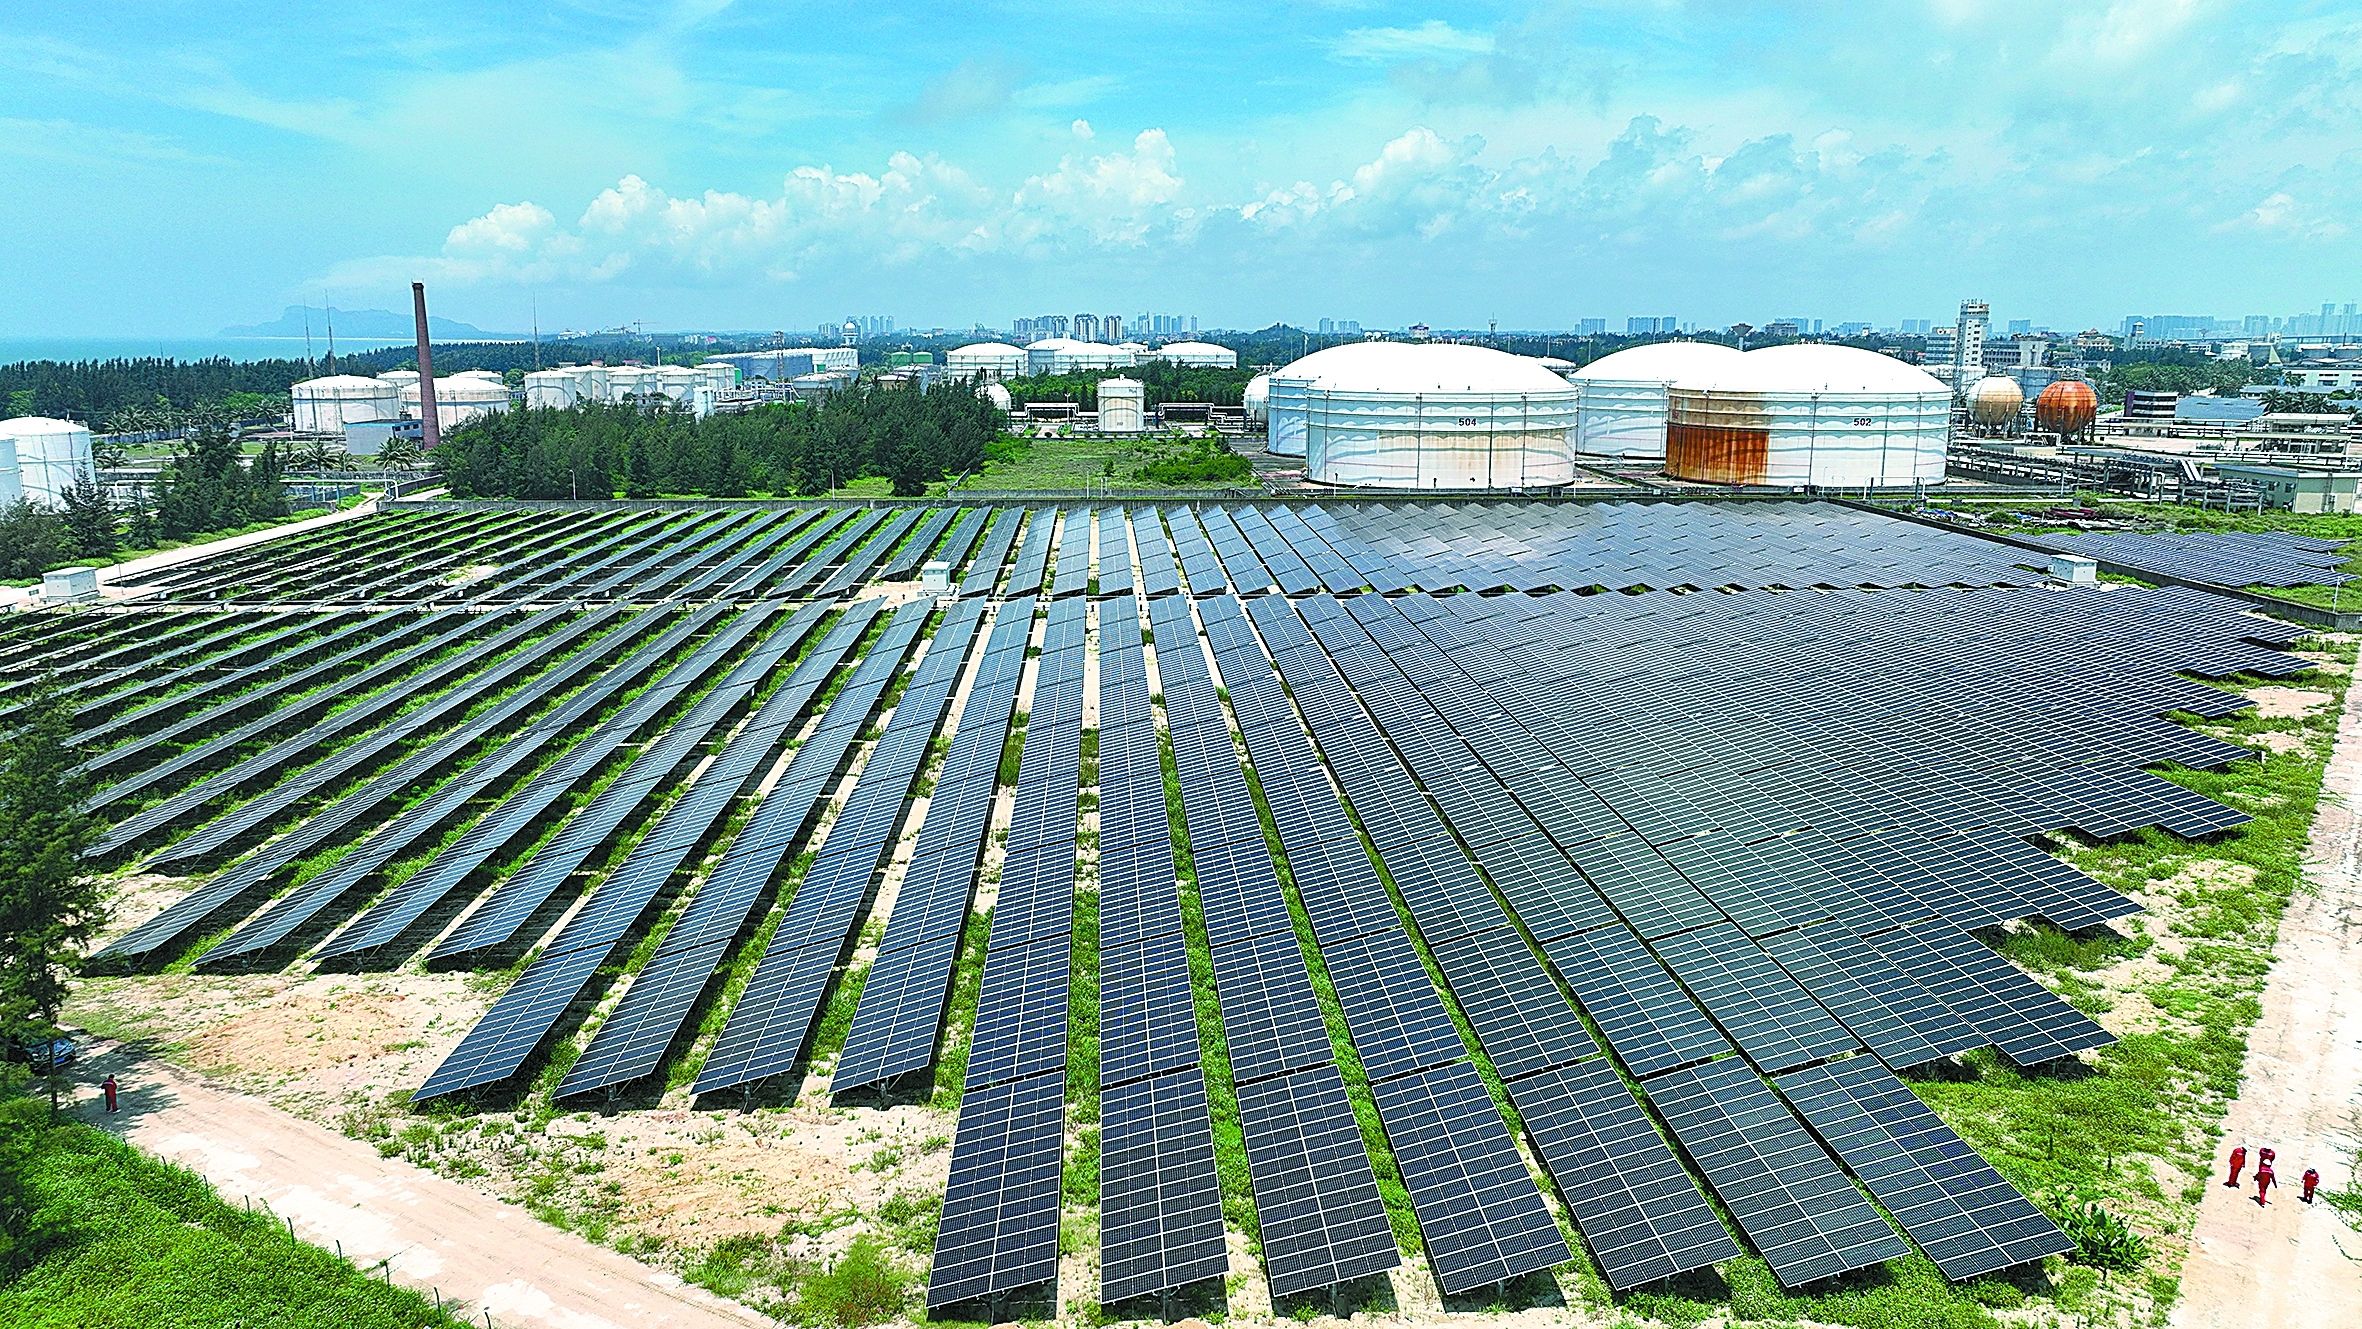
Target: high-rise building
{"type": "Point", "coordinates": [1591, 327]}
{"type": "Point", "coordinates": [1324, 326]}
{"type": "Point", "coordinates": [1968, 350]}
{"type": "Point", "coordinates": [1917, 327]}
{"type": "Point", "coordinates": [1086, 327]}
{"type": "Point", "coordinates": [2020, 326]}
{"type": "Point", "coordinates": [1113, 326]}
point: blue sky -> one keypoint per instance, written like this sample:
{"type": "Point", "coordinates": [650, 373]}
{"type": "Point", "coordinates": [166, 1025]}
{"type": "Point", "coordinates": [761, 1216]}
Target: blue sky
{"type": "Point", "coordinates": [174, 167]}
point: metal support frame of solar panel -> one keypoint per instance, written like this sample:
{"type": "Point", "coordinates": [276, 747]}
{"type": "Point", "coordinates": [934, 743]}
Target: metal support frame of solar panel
{"type": "Point", "coordinates": [900, 1013]}
{"type": "Point", "coordinates": [1018, 1040]}
{"type": "Point", "coordinates": [1278, 1045]}
{"type": "Point", "coordinates": [449, 803]}
{"type": "Point", "coordinates": [496, 921]}
{"type": "Point", "coordinates": [633, 1038]}
{"type": "Point", "coordinates": [1160, 1198]}
{"type": "Point", "coordinates": [382, 686]}
{"type": "Point", "coordinates": [1967, 1218]}
{"type": "Point", "coordinates": [769, 1029]}
{"type": "Point", "coordinates": [325, 824]}
{"type": "Point", "coordinates": [984, 571]}
{"type": "Point", "coordinates": [501, 1043]}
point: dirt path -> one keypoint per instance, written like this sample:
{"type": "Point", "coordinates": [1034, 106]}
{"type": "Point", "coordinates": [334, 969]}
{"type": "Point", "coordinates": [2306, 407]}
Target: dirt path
{"type": "Point", "coordinates": [437, 1234]}
{"type": "Point", "coordinates": [2289, 1263]}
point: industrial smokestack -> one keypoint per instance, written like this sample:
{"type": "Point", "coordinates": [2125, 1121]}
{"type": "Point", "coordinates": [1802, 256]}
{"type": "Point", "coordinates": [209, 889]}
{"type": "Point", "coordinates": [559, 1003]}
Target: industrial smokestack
{"type": "Point", "coordinates": [428, 423]}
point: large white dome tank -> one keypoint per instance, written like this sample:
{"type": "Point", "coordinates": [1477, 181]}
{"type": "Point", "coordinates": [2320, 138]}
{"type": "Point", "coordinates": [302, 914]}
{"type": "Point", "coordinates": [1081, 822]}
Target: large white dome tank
{"type": "Point", "coordinates": [1623, 405]}
{"type": "Point", "coordinates": [1808, 414]}
{"type": "Point", "coordinates": [327, 405]}
{"type": "Point", "coordinates": [49, 457]}
{"type": "Point", "coordinates": [1398, 416]}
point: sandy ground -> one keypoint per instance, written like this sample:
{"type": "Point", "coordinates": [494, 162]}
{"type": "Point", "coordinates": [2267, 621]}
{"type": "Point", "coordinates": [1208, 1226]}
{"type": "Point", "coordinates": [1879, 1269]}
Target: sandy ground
{"type": "Point", "coordinates": [2288, 1263]}
{"type": "Point", "coordinates": [434, 1234]}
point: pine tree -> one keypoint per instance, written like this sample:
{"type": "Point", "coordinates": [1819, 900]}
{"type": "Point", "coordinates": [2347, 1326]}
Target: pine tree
{"type": "Point", "coordinates": [50, 904]}
{"type": "Point", "coordinates": [89, 517]}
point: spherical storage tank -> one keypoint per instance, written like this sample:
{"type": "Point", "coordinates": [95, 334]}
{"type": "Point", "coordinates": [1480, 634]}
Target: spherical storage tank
{"type": "Point", "coordinates": [40, 459]}
{"type": "Point", "coordinates": [2066, 407]}
{"type": "Point", "coordinates": [991, 361]}
{"type": "Point", "coordinates": [1123, 405]}
{"type": "Point", "coordinates": [327, 405]}
{"type": "Point", "coordinates": [1431, 416]}
{"type": "Point", "coordinates": [1623, 408]}
{"type": "Point", "coordinates": [1994, 401]}
{"type": "Point", "coordinates": [1808, 414]}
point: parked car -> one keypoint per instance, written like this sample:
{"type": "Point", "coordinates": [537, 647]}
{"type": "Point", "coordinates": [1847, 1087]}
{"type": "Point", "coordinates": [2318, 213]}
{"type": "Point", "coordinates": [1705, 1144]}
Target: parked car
{"type": "Point", "coordinates": [44, 1055]}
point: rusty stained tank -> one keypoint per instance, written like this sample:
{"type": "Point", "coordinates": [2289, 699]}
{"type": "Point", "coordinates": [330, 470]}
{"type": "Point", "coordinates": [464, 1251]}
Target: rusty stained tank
{"type": "Point", "coordinates": [1792, 416]}
{"type": "Point", "coordinates": [2066, 407]}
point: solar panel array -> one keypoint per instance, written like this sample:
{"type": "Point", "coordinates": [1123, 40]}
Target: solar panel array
{"type": "Point", "coordinates": [2223, 558]}
{"type": "Point", "coordinates": [1697, 873]}
{"type": "Point", "coordinates": [999, 1230]}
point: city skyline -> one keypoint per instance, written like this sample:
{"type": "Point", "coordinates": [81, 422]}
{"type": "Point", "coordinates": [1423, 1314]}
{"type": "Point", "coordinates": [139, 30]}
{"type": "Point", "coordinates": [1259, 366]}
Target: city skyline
{"type": "Point", "coordinates": [704, 165]}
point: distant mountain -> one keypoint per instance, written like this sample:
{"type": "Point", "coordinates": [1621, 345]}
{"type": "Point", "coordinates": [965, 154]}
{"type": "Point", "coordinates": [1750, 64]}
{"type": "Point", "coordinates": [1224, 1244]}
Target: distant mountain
{"type": "Point", "coordinates": [374, 324]}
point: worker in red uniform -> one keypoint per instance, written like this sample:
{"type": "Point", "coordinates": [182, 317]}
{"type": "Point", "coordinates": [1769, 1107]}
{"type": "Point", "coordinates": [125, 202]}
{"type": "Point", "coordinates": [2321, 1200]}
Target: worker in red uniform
{"type": "Point", "coordinates": [2238, 1165]}
{"type": "Point", "coordinates": [109, 1086]}
{"type": "Point", "coordinates": [2263, 1181]}
{"type": "Point", "coordinates": [2312, 1179]}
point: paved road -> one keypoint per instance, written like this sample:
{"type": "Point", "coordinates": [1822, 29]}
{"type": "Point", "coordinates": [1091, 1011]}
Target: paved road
{"type": "Point", "coordinates": [2287, 1263]}
{"type": "Point", "coordinates": [437, 1234]}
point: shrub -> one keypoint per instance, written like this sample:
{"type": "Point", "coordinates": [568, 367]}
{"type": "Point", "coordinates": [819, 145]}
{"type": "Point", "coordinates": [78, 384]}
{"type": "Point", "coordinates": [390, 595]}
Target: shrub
{"type": "Point", "coordinates": [2103, 1240]}
{"type": "Point", "coordinates": [864, 1286]}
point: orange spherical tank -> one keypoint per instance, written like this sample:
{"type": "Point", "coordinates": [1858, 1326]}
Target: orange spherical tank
{"type": "Point", "coordinates": [2066, 407]}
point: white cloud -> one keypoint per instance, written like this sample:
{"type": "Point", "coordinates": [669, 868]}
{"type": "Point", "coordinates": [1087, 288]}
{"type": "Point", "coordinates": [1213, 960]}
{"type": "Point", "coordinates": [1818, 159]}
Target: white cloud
{"type": "Point", "coordinates": [1430, 39]}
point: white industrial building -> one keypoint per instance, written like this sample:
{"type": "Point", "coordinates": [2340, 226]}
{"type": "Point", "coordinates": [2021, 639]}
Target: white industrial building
{"type": "Point", "coordinates": [1197, 355]}
{"type": "Point", "coordinates": [40, 459]}
{"type": "Point", "coordinates": [1808, 414]}
{"type": "Point", "coordinates": [1065, 355]}
{"type": "Point", "coordinates": [1123, 406]}
{"type": "Point", "coordinates": [1424, 416]}
{"type": "Point", "coordinates": [990, 361]}
{"type": "Point", "coordinates": [1623, 396]}
{"type": "Point", "coordinates": [327, 405]}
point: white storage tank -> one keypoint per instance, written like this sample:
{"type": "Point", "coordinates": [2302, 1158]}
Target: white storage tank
{"type": "Point", "coordinates": [1396, 415]}
{"type": "Point", "coordinates": [553, 389]}
{"type": "Point", "coordinates": [1198, 355]}
{"type": "Point", "coordinates": [679, 382]}
{"type": "Point", "coordinates": [12, 481]}
{"type": "Point", "coordinates": [327, 405]}
{"type": "Point", "coordinates": [461, 399]}
{"type": "Point", "coordinates": [1123, 406]}
{"type": "Point", "coordinates": [990, 361]}
{"type": "Point", "coordinates": [1065, 355]}
{"type": "Point", "coordinates": [1808, 414]}
{"type": "Point", "coordinates": [405, 381]}
{"type": "Point", "coordinates": [49, 455]}
{"type": "Point", "coordinates": [1623, 396]}
{"type": "Point", "coordinates": [997, 395]}
{"type": "Point", "coordinates": [630, 381]}
{"type": "Point", "coordinates": [720, 375]}
{"type": "Point", "coordinates": [1258, 402]}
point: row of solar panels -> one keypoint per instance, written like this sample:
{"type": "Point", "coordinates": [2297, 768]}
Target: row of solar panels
{"type": "Point", "coordinates": [545, 556]}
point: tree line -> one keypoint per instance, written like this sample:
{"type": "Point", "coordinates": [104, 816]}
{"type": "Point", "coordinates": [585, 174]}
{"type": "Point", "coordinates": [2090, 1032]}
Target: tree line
{"type": "Point", "coordinates": [599, 450]}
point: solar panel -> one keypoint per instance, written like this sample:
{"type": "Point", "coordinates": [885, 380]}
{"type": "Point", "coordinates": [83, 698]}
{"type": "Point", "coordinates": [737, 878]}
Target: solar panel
{"type": "Point", "coordinates": [1316, 1199]}
{"type": "Point", "coordinates": [1805, 1218]}
{"type": "Point", "coordinates": [1398, 1024]}
{"type": "Point", "coordinates": [999, 1230]}
{"type": "Point", "coordinates": [1900, 1020]}
{"type": "Point", "coordinates": [1525, 1024]}
{"type": "Point", "coordinates": [1147, 1021]}
{"type": "Point", "coordinates": [1648, 1020]}
{"type": "Point", "coordinates": [1481, 1218]}
{"type": "Point", "coordinates": [1968, 1219]}
{"type": "Point", "coordinates": [1270, 1017]}
{"type": "Point", "coordinates": [2020, 1016]}
{"type": "Point", "coordinates": [1776, 1023]}
{"type": "Point", "coordinates": [1160, 1200]}
{"type": "Point", "coordinates": [1639, 1211]}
